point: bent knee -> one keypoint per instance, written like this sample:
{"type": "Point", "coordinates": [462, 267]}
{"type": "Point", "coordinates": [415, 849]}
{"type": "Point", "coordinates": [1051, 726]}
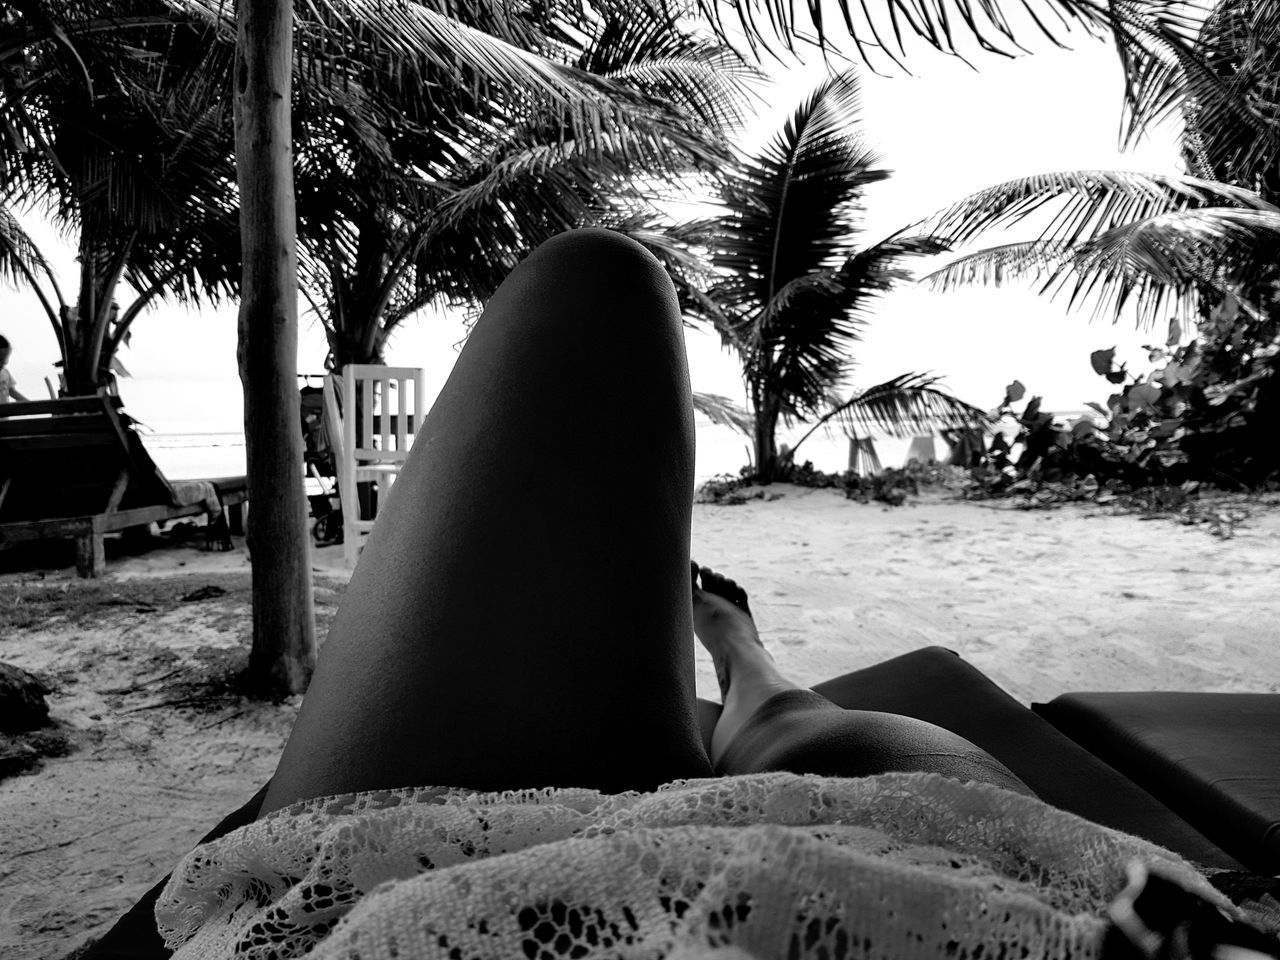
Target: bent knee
{"type": "Point", "coordinates": [593, 243]}
{"type": "Point", "coordinates": [591, 261]}
{"type": "Point", "coordinates": [591, 290]}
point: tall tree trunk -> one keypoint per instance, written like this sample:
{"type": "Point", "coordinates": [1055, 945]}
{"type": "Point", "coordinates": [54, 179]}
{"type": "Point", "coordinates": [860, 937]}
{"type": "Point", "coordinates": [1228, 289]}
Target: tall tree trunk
{"type": "Point", "coordinates": [284, 646]}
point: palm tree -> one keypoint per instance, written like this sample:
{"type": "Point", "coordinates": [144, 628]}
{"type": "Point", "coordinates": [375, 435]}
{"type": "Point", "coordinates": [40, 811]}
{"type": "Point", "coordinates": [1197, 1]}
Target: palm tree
{"type": "Point", "coordinates": [467, 198]}
{"type": "Point", "coordinates": [1156, 243]}
{"type": "Point", "coordinates": [117, 138]}
{"type": "Point", "coordinates": [793, 286]}
{"type": "Point", "coordinates": [1203, 247]}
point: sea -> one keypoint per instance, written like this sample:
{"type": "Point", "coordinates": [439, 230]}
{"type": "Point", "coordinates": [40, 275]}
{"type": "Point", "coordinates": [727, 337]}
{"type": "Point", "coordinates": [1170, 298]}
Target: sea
{"type": "Point", "coordinates": [720, 450]}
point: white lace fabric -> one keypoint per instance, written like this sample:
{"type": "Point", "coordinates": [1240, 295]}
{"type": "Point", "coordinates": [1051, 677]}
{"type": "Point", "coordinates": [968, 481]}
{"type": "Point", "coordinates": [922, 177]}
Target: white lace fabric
{"type": "Point", "coordinates": [902, 866]}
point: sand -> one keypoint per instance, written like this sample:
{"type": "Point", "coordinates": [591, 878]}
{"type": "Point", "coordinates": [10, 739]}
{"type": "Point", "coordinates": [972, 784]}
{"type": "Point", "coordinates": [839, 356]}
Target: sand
{"type": "Point", "coordinates": [1042, 601]}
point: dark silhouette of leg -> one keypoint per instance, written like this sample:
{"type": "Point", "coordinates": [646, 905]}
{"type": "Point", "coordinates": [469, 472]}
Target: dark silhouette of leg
{"type": "Point", "coordinates": [520, 618]}
{"type": "Point", "coordinates": [770, 723]}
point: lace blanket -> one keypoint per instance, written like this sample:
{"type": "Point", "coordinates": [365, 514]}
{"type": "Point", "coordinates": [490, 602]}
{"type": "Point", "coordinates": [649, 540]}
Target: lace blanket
{"type": "Point", "coordinates": [902, 866]}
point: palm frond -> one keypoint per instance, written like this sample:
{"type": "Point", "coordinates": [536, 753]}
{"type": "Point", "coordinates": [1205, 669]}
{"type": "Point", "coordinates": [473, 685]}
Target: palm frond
{"type": "Point", "coordinates": [1185, 246]}
{"type": "Point", "coordinates": [410, 46]}
{"type": "Point", "coordinates": [723, 412]}
{"type": "Point", "coordinates": [999, 265]}
{"type": "Point", "coordinates": [907, 405]}
{"type": "Point", "coordinates": [1232, 111]}
{"type": "Point", "coordinates": [1088, 202]}
{"type": "Point", "coordinates": [1202, 60]}
{"type": "Point", "coordinates": [643, 46]}
{"type": "Point", "coordinates": [794, 209]}
{"type": "Point", "coordinates": [803, 348]}
{"type": "Point", "coordinates": [20, 258]}
{"type": "Point", "coordinates": [1155, 266]}
{"type": "Point", "coordinates": [881, 31]}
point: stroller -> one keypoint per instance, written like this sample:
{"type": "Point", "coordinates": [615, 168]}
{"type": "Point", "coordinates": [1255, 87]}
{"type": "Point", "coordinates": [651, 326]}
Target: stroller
{"type": "Point", "coordinates": [326, 506]}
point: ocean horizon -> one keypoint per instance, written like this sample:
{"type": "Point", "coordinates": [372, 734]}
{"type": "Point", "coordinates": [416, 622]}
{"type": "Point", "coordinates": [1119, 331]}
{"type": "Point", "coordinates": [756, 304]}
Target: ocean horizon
{"type": "Point", "coordinates": [720, 450]}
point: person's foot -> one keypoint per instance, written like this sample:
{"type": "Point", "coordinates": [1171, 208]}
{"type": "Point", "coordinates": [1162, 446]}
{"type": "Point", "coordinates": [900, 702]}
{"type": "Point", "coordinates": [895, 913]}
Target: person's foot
{"type": "Point", "coordinates": [722, 621]}
{"type": "Point", "coordinates": [744, 669]}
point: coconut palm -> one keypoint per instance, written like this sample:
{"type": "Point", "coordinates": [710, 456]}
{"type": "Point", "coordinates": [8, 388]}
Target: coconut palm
{"type": "Point", "coordinates": [1203, 247]}
{"type": "Point", "coordinates": [128, 143]}
{"type": "Point", "coordinates": [794, 285]}
{"type": "Point", "coordinates": [116, 141]}
{"type": "Point", "coordinates": [1155, 243]}
{"type": "Point", "coordinates": [450, 217]}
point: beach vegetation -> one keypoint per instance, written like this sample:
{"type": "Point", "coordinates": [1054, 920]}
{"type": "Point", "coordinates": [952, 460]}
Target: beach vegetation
{"type": "Point", "coordinates": [892, 486]}
{"type": "Point", "coordinates": [1136, 455]}
{"type": "Point", "coordinates": [792, 283]}
{"type": "Point", "coordinates": [1201, 249]}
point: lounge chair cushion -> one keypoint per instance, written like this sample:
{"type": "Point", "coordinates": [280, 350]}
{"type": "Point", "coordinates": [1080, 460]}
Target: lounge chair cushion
{"type": "Point", "coordinates": [1212, 757]}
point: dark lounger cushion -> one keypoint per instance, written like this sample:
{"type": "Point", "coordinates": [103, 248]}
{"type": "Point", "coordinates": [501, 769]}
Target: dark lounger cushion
{"type": "Point", "coordinates": [1212, 757]}
{"type": "Point", "coordinates": [936, 685]}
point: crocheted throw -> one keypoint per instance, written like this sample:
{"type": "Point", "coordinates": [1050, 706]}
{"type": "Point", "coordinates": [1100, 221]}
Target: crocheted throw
{"type": "Point", "coordinates": [773, 865]}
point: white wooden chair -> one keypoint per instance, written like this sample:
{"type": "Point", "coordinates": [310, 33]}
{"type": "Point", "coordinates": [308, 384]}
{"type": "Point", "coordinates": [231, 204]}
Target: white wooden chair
{"type": "Point", "coordinates": [372, 415]}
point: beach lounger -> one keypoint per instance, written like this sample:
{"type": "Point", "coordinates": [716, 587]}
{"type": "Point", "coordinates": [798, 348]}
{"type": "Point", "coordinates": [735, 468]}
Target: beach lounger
{"type": "Point", "coordinates": [1214, 758]}
{"type": "Point", "coordinates": [932, 684]}
{"type": "Point", "coordinates": [76, 468]}
{"type": "Point", "coordinates": [863, 459]}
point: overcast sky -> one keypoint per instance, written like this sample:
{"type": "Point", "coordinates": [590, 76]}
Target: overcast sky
{"type": "Point", "coordinates": [944, 131]}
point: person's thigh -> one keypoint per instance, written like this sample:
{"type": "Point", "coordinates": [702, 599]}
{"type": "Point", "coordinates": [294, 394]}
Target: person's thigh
{"type": "Point", "coordinates": [520, 616]}
{"type": "Point", "coordinates": [802, 732]}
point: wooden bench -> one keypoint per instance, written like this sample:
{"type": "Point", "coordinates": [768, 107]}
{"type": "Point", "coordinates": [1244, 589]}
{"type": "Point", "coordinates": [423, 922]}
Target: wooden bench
{"type": "Point", "coordinates": [76, 468]}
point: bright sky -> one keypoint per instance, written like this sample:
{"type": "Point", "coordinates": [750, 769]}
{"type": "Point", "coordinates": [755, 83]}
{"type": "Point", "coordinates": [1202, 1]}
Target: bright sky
{"type": "Point", "coordinates": [944, 132]}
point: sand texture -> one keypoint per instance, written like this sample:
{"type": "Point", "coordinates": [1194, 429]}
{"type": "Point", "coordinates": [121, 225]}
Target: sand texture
{"type": "Point", "coordinates": [1044, 602]}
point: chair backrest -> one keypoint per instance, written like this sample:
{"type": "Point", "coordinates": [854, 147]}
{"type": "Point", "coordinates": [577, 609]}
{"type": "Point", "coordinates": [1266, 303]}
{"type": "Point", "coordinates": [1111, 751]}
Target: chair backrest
{"type": "Point", "coordinates": [73, 456]}
{"type": "Point", "coordinates": [382, 408]}
{"type": "Point", "coordinates": [333, 425]}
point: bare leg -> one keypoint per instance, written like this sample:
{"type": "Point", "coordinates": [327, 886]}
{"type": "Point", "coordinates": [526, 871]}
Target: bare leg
{"type": "Point", "coordinates": [745, 670]}
{"type": "Point", "coordinates": [771, 723]}
{"type": "Point", "coordinates": [520, 616]}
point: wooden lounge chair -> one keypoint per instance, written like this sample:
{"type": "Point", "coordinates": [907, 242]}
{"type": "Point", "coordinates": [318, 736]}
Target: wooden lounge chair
{"type": "Point", "coordinates": [75, 468]}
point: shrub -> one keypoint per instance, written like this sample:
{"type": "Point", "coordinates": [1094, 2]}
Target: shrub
{"type": "Point", "coordinates": [891, 486]}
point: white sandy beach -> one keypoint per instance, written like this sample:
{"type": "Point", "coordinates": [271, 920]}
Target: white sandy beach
{"type": "Point", "coordinates": [1042, 601]}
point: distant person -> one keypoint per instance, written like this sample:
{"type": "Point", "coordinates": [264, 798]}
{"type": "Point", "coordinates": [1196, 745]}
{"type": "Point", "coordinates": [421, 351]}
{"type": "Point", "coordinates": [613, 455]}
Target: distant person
{"type": "Point", "coordinates": [8, 386]}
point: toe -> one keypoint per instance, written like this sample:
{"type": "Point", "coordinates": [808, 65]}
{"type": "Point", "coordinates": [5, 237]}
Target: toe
{"type": "Point", "coordinates": [712, 581]}
{"type": "Point", "coordinates": [724, 587]}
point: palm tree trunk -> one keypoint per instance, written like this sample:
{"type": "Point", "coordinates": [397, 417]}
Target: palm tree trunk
{"type": "Point", "coordinates": [284, 647]}
{"type": "Point", "coordinates": [765, 439]}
